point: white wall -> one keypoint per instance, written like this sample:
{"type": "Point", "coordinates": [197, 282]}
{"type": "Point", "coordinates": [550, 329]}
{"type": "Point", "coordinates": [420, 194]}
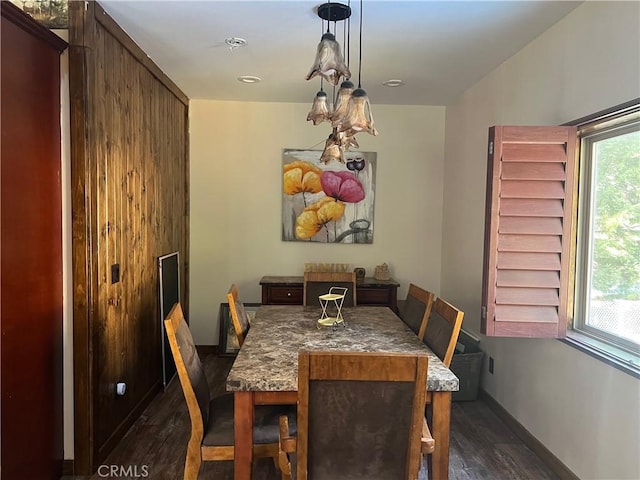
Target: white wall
{"type": "Point", "coordinates": [584, 411]}
{"type": "Point", "coordinates": [236, 194]}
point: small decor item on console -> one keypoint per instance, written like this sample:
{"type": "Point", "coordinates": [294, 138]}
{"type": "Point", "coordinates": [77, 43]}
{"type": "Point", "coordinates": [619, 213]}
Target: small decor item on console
{"type": "Point", "coordinates": [382, 272]}
{"type": "Point", "coordinates": [326, 267]}
{"type": "Point", "coordinates": [360, 274]}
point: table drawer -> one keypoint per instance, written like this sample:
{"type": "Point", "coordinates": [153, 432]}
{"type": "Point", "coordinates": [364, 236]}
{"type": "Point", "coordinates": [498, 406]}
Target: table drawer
{"type": "Point", "coordinates": [284, 295]}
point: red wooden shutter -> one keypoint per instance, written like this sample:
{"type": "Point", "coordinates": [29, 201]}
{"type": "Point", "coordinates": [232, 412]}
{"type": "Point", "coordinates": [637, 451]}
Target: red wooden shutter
{"type": "Point", "coordinates": [528, 231]}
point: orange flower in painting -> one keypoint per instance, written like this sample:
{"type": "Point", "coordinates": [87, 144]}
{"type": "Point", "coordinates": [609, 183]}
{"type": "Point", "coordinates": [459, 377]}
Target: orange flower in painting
{"type": "Point", "coordinates": [301, 177]}
{"type": "Point", "coordinates": [315, 216]}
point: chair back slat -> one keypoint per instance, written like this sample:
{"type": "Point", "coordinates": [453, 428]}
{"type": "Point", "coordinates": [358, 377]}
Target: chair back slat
{"type": "Point", "coordinates": [190, 372]}
{"type": "Point", "coordinates": [348, 435]}
{"type": "Point", "coordinates": [319, 283]}
{"type": "Point", "coordinates": [239, 316]}
{"type": "Point", "coordinates": [415, 310]}
{"type": "Point", "coordinates": [443, 329]}
{"type": "Point", "coordinates": [360, 415]}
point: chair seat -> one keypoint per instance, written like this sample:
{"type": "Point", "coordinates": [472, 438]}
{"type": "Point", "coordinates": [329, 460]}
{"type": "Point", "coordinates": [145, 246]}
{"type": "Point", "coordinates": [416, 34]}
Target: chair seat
{"type": "Point", "coordinates": [265, 429]}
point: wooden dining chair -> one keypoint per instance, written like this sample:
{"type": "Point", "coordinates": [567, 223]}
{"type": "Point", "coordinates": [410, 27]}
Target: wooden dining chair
{"type": "Point", "coordinates": [212, 434]}
{"type": "Point", "coordinates": [442, 330]}
{"type": "Point", "coordinates": [239, 316]}
{"type": "Point", "coordinates": [319, 283]}
{"type": "Point", "coordinates": [415, 310]}
{"type": "Point", "coordinates": [360, 415]}
{"type": "Point", "coordinates": [441, 334]}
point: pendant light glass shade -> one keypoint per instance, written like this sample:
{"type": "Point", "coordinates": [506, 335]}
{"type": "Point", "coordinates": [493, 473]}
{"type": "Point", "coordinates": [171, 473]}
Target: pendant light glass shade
{"type": "Point", "coordinates": [344, 140]}
{"type": "Point", "coordinates": [359, 117]}
{"type": "Point", "coordinates": [336, 145]}
{"type": "Point", "coordinates": [329, 62]}
{"type": "Point", "coordinates": [342, 102]}
{"type": "Point", "coordinates": [332, 150]}
{"type": "Point", "coordinates": [319, 110]}
{"type": "Point", "coordinates": [348, 141]}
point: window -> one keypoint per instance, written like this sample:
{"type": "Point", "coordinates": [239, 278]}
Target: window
{"type": "Point", "coordinates": [562, 234]}
{"type": "Point", "coordinates": [607, 294]}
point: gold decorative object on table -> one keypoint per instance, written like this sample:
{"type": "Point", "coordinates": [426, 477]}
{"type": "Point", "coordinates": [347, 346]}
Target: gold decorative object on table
{"type": "Point", "coordinates": [335, 295]}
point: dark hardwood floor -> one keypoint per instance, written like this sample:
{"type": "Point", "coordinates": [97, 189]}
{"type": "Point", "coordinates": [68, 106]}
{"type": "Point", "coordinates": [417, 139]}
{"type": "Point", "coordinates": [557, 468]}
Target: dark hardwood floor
{"type": "Point", "coordinates": [482, 447]}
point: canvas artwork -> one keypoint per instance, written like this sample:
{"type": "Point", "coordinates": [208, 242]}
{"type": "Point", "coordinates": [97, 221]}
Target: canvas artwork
{"type": "Point", "coordinates": [328, 203]}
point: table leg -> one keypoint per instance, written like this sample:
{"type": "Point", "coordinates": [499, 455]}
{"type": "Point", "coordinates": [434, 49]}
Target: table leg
{"type": "Point", "coordinates": [243, 434]}
{"type": "Point", "coordinates": [438, 461]}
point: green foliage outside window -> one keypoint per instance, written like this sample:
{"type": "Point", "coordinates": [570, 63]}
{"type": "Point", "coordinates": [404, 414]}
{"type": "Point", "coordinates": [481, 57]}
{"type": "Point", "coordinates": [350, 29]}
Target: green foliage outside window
{"type": "Point", "coordinates": [616, 234]}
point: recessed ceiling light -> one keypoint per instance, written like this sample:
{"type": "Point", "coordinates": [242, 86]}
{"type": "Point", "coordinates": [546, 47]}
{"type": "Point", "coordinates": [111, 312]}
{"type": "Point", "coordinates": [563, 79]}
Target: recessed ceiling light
{"type": "Point", "coordinates": [249, 79]}
{"type": "Point", "coordinates": [393, 83]}
{"type": "Point", "coordinates": [235, 42]}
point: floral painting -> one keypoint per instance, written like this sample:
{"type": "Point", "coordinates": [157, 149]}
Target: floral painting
{"type": "Point", "coordinates": [328, 203]}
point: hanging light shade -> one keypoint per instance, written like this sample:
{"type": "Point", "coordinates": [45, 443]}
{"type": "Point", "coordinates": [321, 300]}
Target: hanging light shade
{"type": "Point", "coordinates": [336, 145]}
{"type": "Point", "coordinates": [332, 149]}
{"type": "Point", "coordinates": [359, 117]}
{"type": "Point", "coordinates": [348, 141]}
{"type": "Point", "coordinates": [319, 110]}
{"type": "Point", "coordinates": [345, 140]}
{"type": "Point", "coordinates": [329, 62]}
{"type": "Point", "coordinates": [342, 103]}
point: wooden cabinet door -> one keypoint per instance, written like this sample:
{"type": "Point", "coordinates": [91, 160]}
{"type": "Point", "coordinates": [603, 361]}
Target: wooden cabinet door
{"type": "Point", "coordinates": [31, 251]}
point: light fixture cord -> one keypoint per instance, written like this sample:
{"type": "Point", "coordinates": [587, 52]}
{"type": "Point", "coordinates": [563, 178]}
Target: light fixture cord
{"type": "Point", "coordinates": [321, 33]}
{"type": "Point", "coordinates": [360, 55]}
{"type": "Point", "coordinates": [348, 23]}
{"type": "Point", "coordinates": [346, 33]}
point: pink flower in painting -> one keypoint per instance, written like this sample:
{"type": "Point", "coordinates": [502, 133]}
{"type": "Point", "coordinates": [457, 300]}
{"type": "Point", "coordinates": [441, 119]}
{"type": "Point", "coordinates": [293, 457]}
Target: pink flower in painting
{"type": "Point", "coordinates": [343, 186]}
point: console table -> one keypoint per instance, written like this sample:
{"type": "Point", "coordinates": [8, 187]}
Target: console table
{"type": "Point", "coordinates": [282, 290]}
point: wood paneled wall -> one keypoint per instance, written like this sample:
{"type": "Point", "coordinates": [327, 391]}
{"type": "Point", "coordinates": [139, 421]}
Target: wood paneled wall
{"type": "Point", "coordinates": [129, 140]}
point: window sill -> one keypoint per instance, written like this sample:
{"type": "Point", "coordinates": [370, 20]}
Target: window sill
{"type": "Point", "coordinates": [616, 357]}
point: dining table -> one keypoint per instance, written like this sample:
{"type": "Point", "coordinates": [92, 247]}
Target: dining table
{"type": "Point", "coordinates": [265, 370]}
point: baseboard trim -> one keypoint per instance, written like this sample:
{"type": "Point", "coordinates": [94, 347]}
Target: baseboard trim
{"type": "Point", "coordinates": [207, 349]}
{"type": "Point", "coordinates": [121, 430]}
{"type": "Point", "coordinates": [67, 466]}
{"type": "Point", "coordinates": [559, 468]}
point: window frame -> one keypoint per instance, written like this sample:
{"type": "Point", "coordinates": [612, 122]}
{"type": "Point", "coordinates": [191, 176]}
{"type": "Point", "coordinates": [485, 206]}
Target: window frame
{"type": "Point", "coordinates": [609, 348]}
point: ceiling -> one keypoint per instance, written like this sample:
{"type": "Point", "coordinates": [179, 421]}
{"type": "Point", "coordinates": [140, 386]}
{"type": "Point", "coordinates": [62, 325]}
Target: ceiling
{"type": "Point", "coordinates": [438, 48]}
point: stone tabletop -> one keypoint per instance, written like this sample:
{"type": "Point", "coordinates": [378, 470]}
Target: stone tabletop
{"type": "Point", "coordinates": [268, 359]}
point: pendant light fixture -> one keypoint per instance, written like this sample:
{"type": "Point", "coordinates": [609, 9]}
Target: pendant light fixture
{"type": "Point", "coordinates": [329, 61]}
{"type": "Point", "coordinates": [342, 102]}
{"type": "Point", "coordinates": [350, 111]}
{"type": "Point", "coordinates": [320, 109]}
{"type": "Point", "coordinates": [359, 117]}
